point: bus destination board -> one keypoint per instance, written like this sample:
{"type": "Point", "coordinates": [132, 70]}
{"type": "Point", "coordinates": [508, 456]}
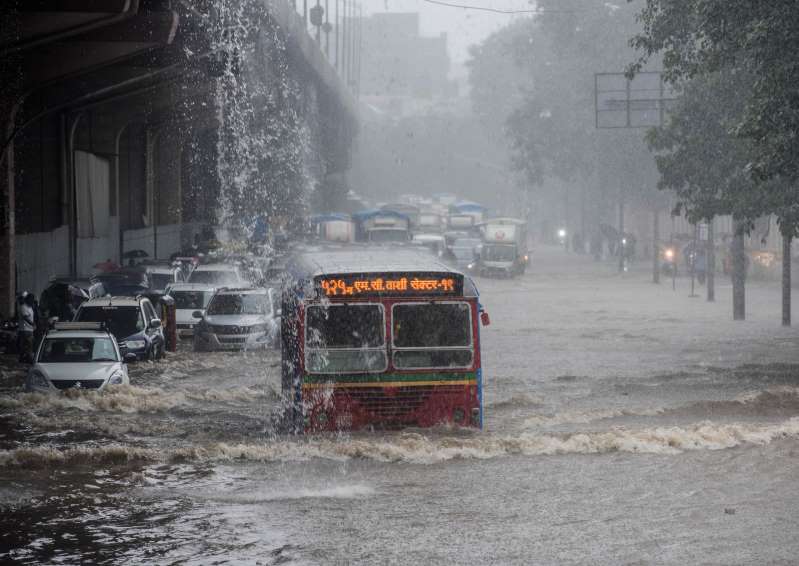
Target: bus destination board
{"type": "Point", "coordinates": [410, 284]}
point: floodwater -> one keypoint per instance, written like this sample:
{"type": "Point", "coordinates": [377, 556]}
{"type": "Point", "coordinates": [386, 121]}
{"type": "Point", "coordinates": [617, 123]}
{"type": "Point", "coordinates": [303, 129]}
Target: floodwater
{"type": "Point", "coordinates": [625, 424]}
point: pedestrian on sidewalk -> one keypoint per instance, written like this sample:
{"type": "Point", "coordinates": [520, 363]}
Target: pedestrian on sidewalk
{"type": "Point", "coordinates": [26, 328]}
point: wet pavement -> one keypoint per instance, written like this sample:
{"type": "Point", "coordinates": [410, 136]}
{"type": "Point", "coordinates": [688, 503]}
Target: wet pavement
{"type": "Point", "coordinates": [626, 423]}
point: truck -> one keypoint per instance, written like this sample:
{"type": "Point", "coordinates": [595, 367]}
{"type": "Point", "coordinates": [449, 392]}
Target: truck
{"type": "Point", "coordinates": [333, 227]}
{"type": "Point", "coordinates": [504, 247]}
{"type": "Point", "coordinates": [381, 226]}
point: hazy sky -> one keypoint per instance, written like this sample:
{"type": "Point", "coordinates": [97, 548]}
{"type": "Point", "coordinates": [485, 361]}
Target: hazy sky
{"type": "Point", "coordinates": [463, 27]}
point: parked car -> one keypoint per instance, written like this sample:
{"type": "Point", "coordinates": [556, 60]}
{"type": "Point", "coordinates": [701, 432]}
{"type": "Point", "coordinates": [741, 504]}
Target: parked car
{"type": "Point", "coordinates": [161, 276]}
{"type": "Point", "coordinates": [217, 274]}
{"type": "Point", "coordinates": [189, 298]}
{"type": "Point", "coordinates": [77, 355]}
{"type": "Point", "coordinates": [238, 319]}
{"type": "Point", "coordinates": [132, 320]}
{"type": "Point", "coordinates": [127, 282]}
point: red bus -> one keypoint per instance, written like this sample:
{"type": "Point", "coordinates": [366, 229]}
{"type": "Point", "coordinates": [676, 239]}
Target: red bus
{"type": "Point", "coordinates": [382, 338]}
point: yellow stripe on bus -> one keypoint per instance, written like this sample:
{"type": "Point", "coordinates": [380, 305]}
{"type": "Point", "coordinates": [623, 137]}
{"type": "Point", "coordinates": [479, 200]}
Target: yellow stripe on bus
{"type": "Point", "coordinates": [386, 384]}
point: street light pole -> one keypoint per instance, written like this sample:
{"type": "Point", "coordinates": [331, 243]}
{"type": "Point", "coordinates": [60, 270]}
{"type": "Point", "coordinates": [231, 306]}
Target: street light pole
{"type": "Point", "coordinates": [621, 244]}
{"type": "Point", "coordinates": [327, 29]}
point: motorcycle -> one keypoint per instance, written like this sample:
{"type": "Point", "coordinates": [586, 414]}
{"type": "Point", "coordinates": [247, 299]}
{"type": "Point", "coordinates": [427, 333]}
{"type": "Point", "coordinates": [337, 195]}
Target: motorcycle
{"type": "Point", "coordinates": [668, 261]}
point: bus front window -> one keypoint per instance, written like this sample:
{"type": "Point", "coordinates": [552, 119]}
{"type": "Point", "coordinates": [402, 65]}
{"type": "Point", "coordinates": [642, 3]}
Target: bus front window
{"type": "Point", "coordinates": [432, 335]}
{"type": "Point", "coordinates": [345, 338]}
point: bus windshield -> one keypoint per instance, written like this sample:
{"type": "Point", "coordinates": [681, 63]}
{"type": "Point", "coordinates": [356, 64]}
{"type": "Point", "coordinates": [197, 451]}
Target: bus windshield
{"type": "Point", "coordinates": [432, 335]}
{"type": "Point", "coordinates": [345, 338]}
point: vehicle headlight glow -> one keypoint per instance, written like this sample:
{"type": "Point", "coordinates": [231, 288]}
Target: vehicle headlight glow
{"type": "Point", "coordinates": [116, 377]}
{"type": "Point", "coordinates": [669, 254]}
{"type": "Point", "coordinates": [470, 266]}
{"type": "Point", "coordinates": [135, 344]}
{"type": "Point", "coordinates": [562, 233]}
{"type": "Point", "coordinates": [37, 379]}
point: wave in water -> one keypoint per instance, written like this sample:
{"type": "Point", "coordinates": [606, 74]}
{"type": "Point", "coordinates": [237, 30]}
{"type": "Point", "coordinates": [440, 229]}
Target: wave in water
{"type": "Point", "coordinates": [130, 399]}
{"type": "Point", "coordinates": [421, 449]}
{"type": "Point", "coordinates": [334, 492]}
{"type": "Point", "coordinates": [756, 402]}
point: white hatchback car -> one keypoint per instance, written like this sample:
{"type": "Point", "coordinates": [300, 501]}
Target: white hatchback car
{"type": "Point", "coordinates": [77, 355]}
{"type": "Point", "coordinates": [189, 298]}
{"type": "Point", "coordinates": [217, 275]}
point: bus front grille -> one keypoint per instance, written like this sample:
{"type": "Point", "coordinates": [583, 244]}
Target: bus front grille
{"type": "Point", "coordinates": [396, 402]}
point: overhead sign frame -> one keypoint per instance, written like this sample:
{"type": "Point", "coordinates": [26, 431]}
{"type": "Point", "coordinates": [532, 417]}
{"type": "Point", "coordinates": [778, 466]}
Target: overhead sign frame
{"type": "Point", "coordinates": [640, 102]}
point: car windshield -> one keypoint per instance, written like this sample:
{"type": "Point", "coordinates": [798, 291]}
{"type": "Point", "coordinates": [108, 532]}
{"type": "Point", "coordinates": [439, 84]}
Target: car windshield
{"type": "Point", "coordinates": [499, 253]}
{"type": "Point", "coordinates": [240, 304]}
{"type": "Point", "coordinates": [77, 350]}
{"type": "Point", "coordinates": [161, 280]}
{"type": "Point", "coordinates": [191, 299]}
{"type": "Point", "coordinates": [342, 338]}
{"type": "Point", "coordinates": [214, 277]}
{"type": "Point", "coordinates": [125, 289]}
{"type": "Point", "coordinates": [123, 321]}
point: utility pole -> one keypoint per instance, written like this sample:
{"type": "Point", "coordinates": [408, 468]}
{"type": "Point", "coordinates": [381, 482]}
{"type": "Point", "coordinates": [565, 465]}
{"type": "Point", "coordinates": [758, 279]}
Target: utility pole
{"type": "Point", "coordinates": [656, 246]}
{"type": "Point", "coordinates": [360, 51]}
{"type": "Point", "coordinates": [787, 238]}
{"type": "Point", "coordinates": [710, 263]}
{"type": "Point", "coordinates": [344, 39]}
{"type": "Point", "coordinates": [318, 24]}
{"type": "Point", "coordinates": [327, 29]}
{"type": "Point", "coordinates": [620, 247]}
{"type": "Point", "coordinates": [738, 271]}
{"type": "Point", "coordinates": [338, 36]}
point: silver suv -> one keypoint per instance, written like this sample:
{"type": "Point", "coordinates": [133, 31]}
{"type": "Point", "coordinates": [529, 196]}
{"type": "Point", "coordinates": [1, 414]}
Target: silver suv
{"type": "Point", "coordinates": [238, 319]}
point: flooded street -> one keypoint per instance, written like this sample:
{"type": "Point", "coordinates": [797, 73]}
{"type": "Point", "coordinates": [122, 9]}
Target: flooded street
{"type": "Point", "coordinates": [626, 423]}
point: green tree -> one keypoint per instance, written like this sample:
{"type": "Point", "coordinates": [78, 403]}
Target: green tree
{"type": "Point", "coordinates": [740, 59]}
{"type": "Point", "coordinates": [697, 37]}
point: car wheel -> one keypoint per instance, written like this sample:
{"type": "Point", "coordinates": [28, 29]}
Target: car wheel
{"type": "Point", "coordinates": [151, 354]}
{"type": "Point", "coordinates": [160, 353]}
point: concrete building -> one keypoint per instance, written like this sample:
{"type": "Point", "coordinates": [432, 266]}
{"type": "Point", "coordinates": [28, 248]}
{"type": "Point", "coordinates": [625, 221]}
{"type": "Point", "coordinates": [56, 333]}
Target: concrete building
{"type": "Point", "coordinates": [112, 123]}
{"type": "Point", "coordinates": [400, 66]}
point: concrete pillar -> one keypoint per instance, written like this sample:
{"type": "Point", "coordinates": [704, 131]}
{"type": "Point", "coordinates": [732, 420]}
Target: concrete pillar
{"type": "Point", "coordinates": [8, 281]}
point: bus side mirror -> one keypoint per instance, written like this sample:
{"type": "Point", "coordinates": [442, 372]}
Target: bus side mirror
{"type": "Point", "coordinates": [485, 319]}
